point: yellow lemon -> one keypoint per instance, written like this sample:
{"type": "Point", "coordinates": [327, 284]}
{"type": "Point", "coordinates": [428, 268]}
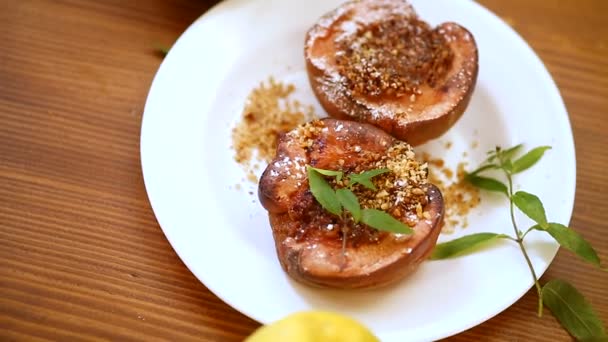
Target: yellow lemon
{"type": "Point", "coordinates": [313, 326]}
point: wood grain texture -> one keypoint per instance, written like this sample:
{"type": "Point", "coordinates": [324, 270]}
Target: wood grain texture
{"type": "Point", "coordinates": [82, 256]}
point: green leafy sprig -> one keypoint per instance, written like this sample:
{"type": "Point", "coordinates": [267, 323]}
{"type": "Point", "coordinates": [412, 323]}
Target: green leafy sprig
{"type": "Point", "coordinates": [566, 303]}
{"type": "Point", "coordinates": [161, 50]}
{"type": "Point", "coordinates": [343, 200]}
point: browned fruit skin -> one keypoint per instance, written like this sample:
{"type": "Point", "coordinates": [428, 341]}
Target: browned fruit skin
{"type": "Point", "coordinates": [318, 260]}
{"type": "Point", "coordinates": [431, 114]}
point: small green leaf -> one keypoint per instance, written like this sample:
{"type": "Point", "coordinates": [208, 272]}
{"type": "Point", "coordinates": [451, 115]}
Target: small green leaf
{"type": "Point", "coordinates": [530, 205]}
{"type": "Point", "coordinates": [489, 184]}
{"type": "Point", "coordinates": [364, 178]}
{"type": "Point", "coordinates": [492, 154]}
{"type": "Point", "coordinates": [463, 245]}
{"type": "Point", "coordinates": [382, 221]}
{"type": "Point", "coordinates": [529, 159]}
{"type": "Point", "coordinates": [572, 241]}
{"type": "Point", "coordinates": [481, 169]}
{"type": "Point", "coordinates": [331, 173]}
{"type": "Point", "coordinates": [573, 311]}
{"type": "Point", "coordinates": [371, 173]}
{"type": "Point", "coordinates": [504, 154]}
{"type": "Point", "coordinates": [349, 201]}
{"type": "Point", "coordinates": [507, 165]}
{"type": "Point", "coordinates": [365, 182]}
{"type": "Point", "coordinates": [596, 339]}
{"type": "Point", "coordinates": [323, 192]}
{"type": "Point", "coordinates": [510, 152]}
{"type": "Point", "coordinates": [163, 50]}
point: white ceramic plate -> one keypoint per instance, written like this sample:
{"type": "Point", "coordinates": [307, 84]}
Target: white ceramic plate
{"type": "Point", "coordinates": [222, 234]}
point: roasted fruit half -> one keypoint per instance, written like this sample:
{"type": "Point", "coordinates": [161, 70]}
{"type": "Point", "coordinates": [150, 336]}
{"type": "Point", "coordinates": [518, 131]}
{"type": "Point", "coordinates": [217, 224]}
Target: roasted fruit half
{"type": "Point", "coordinates": [376, 61]}
{"type": "Point", "coordinates": [319, 248]}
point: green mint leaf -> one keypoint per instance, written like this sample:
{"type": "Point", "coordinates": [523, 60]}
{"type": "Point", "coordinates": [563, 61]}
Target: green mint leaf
{"type": "Point", "coordinates": [508, 154]}
{"type": "Point", "coordinates": [383, 221]}
{"type": "Point", "coordinates": [489, 184]}
{"type": "Point", "coordinates": [573, 311]}
{"type": "Point", "coordinates": [596, 339]}
{"type": "Point", "coordinates": [331, 173]}
{"type": "Point", "coordinates": [491, 156]}
{"type": "Point", "coordinates": [371, 173]}
{"type": "Point", "coordinates": [350, 202]}
{"type": "Point", "coordinates": [531, 206]}
{"type": "Point", "coordinates": [162, 50]}
{"type": "Point", "coordinates": [572, 241]}
{"type": "Point", "coordinates": [322, 191]}
{"type": "Point", "coordinates": [529, 159]}
{"type": "Point", "coordinates": [481, 169]}
{"type": "Point", "coordinates": [507, 165]}
{"type": "Point", "coordinates": [365, 182]}
{"type": "Point", "coordinates": [503, 154]}
{"type": "Point", "coordinates": [364, 178]}
{"type": "Point", "coordinates": [463, 245]}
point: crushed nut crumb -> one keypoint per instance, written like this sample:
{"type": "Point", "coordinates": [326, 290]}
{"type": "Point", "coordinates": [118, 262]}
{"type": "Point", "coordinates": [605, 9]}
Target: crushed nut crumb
{"type": "Point", "coordinates": [459, 196]}
{"type": "Point", "coordinates": [268, 112]}
{"type": "Point", "coordinates": [393, 57]}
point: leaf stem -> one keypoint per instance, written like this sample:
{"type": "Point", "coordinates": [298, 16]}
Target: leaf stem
{"type": "Point", "coordinates": [520, 242]}
{"type": "Point", "coordinates": [526, 233]}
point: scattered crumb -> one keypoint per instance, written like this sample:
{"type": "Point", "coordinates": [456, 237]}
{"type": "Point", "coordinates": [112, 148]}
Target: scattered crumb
{"type": "Point", "coordinates": [238, 186]}
{"type": "Point", "coordinates": [268, 112]}
{"type": "Point", "coordinates": [250, 192]}
{"type": "Point", "coordinates": [447, 172]}
{"type": "Point", "coordinates": [252, 177]}
{"type": "Point", "coordinates": [474, 144]}
{"type": "Point", "coordinates": [439, 163]}
{"type": "Point", "coordinates": [459, 196]}
{"type": "Point", "coordinates": [464, 154]}
{"type": "Point", "coordinates": [448, 145]}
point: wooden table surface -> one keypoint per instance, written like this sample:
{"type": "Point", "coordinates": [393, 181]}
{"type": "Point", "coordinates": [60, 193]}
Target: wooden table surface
{"type": "Point", "coordinates": [81, 254]}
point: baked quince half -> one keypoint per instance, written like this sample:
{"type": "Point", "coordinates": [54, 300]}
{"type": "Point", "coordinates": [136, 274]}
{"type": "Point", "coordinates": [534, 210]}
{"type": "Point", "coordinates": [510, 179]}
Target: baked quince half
{"type": "Point", "coordinates": [320, 248]}
{"type": "Point", "coordinates": [376, 61]}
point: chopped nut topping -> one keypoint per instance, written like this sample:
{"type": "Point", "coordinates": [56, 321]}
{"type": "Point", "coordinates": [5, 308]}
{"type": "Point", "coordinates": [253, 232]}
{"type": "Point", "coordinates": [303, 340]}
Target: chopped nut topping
{"type": "Point", "coordinates": [398, 191]}
{"type": "Point", "coordinates": [393, 57]}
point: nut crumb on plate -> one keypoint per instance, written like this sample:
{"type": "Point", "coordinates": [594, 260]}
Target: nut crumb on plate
{"type": "Point", "coordinates": [268, 112]}
{"type": "Point", "coordinates": [459, 196]}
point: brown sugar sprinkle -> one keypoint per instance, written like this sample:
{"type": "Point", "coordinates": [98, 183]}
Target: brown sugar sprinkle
{"type": "Point", "coordinates": [268, 112]}
{"type": "Point", "coordinates": [459, 196]}
{"type": "Point", "coordinates": [393, 57]}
